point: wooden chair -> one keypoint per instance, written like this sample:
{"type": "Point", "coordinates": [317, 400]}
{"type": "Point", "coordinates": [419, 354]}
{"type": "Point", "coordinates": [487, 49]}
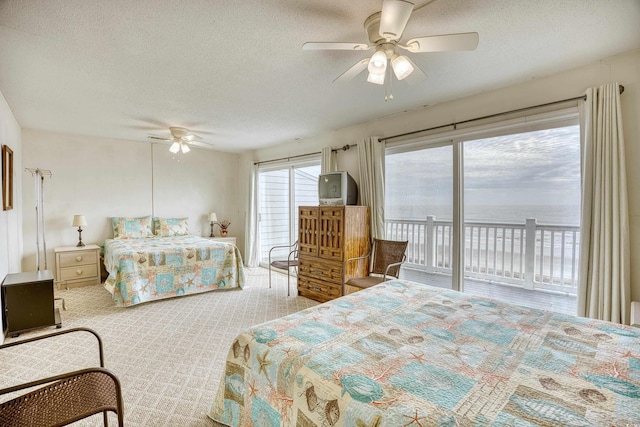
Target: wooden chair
{"type": "Point", "coordinates": [64, 398]}
{"type": "Point", "coordinates": [385, 259]}
{"type": "Point", "coordinates": [285, 264]}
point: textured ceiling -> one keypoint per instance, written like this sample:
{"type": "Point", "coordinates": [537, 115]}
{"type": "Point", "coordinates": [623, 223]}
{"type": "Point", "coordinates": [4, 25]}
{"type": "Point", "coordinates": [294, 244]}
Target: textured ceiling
{"type": "Point", "coordinates": [235, 72]}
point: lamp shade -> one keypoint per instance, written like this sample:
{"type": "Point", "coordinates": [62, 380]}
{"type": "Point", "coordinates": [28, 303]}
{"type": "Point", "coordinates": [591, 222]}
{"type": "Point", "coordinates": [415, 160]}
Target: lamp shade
{"type": "Point", "coordinates": [376, 78]}
{"type": "Point", "coordinates": [401, 66]}
{"type": "Point", "coordinates": [175, 147]}
{"type": "Point", "coordinates": [378, 63]}
{"type": "Point", "coordinates": [213, 217]}
{"type": "Point", "coordinates": [78, 221]}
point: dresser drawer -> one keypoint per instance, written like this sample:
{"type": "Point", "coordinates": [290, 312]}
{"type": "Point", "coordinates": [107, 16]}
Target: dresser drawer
{"type": "Point", "coordinates": [318, 290]}
{"type": "Point", "coordinates": [319, 270]}
{"type": "Point", "coordinates": [77, 258]}
{"type": "Point", "coordinates": [79, 272]}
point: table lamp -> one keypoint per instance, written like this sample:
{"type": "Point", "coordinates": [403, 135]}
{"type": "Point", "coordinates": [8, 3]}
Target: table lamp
{"type": "Point", "coordinates": [79, 221]}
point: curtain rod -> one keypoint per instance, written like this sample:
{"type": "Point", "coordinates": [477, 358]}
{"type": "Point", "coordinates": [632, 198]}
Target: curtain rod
{"type": "Point", "coordinates": [454, 124]}
{"type": "Point", "coordinates": [348, 146]}
{"type": "Point", "coordinates": [335, 150]}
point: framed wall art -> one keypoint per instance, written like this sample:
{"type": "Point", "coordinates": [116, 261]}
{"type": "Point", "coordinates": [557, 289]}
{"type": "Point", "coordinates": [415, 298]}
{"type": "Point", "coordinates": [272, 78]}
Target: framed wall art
{"type": "Point", "coordinates": [7, 178]}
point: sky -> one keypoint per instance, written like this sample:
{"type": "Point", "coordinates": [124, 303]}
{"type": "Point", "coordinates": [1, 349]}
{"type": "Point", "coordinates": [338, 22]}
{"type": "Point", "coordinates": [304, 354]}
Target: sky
{"type": "Point", "coordinates": [533, 174]}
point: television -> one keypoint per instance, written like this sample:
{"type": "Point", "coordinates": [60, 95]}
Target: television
{"type": "Point", "coordinates": [337, 188]}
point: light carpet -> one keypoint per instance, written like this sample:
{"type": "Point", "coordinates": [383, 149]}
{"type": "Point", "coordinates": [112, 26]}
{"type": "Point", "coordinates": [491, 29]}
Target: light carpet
{"type": "Point", "coordinates": [169, 354]}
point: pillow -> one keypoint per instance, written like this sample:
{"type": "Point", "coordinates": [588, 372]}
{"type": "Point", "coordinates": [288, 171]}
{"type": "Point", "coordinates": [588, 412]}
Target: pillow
{"type": "Point", "coordinates": [170, 227]}
{"type": "Point", "coordinates": [131, 228]}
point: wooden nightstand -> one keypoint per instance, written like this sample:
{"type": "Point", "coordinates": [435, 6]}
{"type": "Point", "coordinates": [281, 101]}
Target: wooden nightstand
{"type": "Point", "coordinates": [223, 239]}
{"type": "Point", "coordinates": [77, 266]}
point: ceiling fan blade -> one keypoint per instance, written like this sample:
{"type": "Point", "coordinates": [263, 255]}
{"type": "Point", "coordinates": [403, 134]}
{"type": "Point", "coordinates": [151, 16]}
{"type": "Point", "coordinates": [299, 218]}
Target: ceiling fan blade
{"type": "Point", "coordinates": [353, 71]}
{"type": "Point", "coordinates": [334, 46]}
{"type": "Point", "coordinates": [416, 76]}
{"type": "Point", "coordinates": [160, 138]}
{"type": "Point", "coordinates": [201, 144]}
{"type": "Point", "coordinates": [442, 43]}
{"type": "Point", "coordinates": [394, 17]}
{"type": "Point", "coordinates": [188, 138]}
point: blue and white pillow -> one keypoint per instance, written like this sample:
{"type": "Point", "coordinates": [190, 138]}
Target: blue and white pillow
{"type": "Point", "coordinates": [131, 228]}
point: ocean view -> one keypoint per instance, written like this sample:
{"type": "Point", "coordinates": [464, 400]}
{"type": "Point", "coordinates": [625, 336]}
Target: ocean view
{"type": "Point", "coordinates": [516, 214]}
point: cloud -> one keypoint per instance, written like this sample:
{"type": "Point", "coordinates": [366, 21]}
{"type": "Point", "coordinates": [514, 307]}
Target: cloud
{"type": "Point", "coordinates": [541, 167]}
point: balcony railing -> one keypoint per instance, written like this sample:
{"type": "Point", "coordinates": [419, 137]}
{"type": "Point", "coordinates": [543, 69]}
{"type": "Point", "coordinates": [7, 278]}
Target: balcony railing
{"type": "Point", "coordinates": [529, 255]}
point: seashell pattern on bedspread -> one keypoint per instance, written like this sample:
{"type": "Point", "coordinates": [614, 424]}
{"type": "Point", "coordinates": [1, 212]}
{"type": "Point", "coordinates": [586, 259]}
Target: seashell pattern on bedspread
{"type": "Point", "coordinates": [147, 269]}
{"type": "Point", "coordinates": [408, 354]}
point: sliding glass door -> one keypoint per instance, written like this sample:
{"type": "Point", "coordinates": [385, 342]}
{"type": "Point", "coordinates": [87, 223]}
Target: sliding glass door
{"type": "Point", "coordinates": [419, 208]}
{"type": "Point", "coordinates": [494, 212]}
{"type": "Point", "coordinates": [281, 190]}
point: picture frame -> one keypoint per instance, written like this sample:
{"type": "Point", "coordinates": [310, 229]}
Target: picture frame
{"type": "Point", "coordinates": [7, 178]}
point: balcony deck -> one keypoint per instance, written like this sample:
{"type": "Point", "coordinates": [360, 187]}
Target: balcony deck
{"type": "Point", "coordinates": [556, 302]}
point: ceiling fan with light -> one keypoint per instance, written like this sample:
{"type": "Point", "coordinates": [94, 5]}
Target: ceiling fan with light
{"type": "Point", "coordinates": [384, 30]}
{"type": "Point", "coordinates": [181, 138]}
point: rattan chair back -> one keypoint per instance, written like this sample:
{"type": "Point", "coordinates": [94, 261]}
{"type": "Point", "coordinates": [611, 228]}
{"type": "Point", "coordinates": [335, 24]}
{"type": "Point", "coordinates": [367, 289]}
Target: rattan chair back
{"type": "Point", "coordinates": [386, 252]}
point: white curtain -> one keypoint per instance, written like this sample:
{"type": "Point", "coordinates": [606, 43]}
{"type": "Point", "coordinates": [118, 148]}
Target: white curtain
{"type": "Point", "coordinates": [251, 243]}
{"type": "Point", "coordinates": [604, 285]}
{"type": "Point", "coordinates": [329, 160]}
{"type": "Point", "coordinates": [371, 162]}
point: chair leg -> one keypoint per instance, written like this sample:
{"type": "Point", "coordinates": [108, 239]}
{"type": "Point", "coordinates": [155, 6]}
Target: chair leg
{"type": "Point", "coordinates": [269, 275]}
{"type": "Point", "coordinates": [106, 421]}
{"type": "Point", "coordinates": [288, 280]}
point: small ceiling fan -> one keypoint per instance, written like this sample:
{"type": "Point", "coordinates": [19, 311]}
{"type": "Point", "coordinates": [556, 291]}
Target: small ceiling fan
{"type": "Point", "coordinates": [384, 30]}
{"type": "Point", "coordinates": [181, 138]}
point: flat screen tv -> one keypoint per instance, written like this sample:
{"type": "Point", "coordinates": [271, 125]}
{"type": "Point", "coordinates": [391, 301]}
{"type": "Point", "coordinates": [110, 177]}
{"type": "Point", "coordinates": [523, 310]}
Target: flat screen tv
{"type": "Point", "coordinates": [337, 188]}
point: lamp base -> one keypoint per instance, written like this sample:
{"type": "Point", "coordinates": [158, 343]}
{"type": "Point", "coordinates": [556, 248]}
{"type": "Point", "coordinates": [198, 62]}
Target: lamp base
{"type": "Point", "coordinates": [211, 235]}
{"type": "Point", "coordinates": [80, 244]}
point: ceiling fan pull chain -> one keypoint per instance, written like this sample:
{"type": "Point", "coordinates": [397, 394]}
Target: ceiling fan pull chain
{"type": "Point", "coordinates": [388, 88]}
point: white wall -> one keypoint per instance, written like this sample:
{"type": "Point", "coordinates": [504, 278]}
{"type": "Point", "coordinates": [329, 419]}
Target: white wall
{"type": "Point", "coordinates": [624, 69]}
{"type": "Point", "coordinates": [101, 178]}
{"type": "Point", "coordinates": [11, 220]}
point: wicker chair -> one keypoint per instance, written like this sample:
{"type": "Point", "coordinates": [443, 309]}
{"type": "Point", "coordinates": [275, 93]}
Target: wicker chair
{"type": "Point", "coordinates": [64, 398]}
{"type": "Point", "coordinates": [385, 259]}
{"type": "Point", "coordinates": [285, 264]}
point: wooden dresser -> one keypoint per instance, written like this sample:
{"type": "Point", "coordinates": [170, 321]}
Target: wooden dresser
{"type": "Point", "coordinates": [77, 266]}
{"type": "Point", "coordinates": [327, 236]}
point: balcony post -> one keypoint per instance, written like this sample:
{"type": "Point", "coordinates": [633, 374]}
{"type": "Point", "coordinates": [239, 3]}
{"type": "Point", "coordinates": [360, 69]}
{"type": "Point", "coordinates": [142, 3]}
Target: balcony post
{"type": "Point", "coordinates": [529, 252]}
{"type": "Point", "coordinates": [429, 243]}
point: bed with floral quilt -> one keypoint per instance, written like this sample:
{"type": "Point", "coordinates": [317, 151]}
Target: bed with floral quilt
{"type": "Point", "coordinates": [144, 266]}
{"type": "Point", "coordinates": [408, 354]}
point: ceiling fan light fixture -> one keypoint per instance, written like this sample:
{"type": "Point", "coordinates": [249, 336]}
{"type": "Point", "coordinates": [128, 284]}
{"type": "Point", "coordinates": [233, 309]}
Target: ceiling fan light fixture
{"type": "Point", "coordinates": [175, 147]}
{"type": "Point", "coordinates": [402, 68]}
{"type": "Point", "coordinates": [184, 147]}
{"type": "Point", "coordinates": [378, 63]}
{"type": "Point", "coordinates": [376, 78]}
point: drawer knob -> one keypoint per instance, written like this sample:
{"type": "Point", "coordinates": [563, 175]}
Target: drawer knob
{"type": "Point", "coordinates": [79, 258]}
{"type": "Point", "coordinates": [78, 272]}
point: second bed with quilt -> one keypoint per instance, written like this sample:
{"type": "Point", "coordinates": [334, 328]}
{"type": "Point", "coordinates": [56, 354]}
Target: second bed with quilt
{"type": "Point", "coordinates": [143, 266]}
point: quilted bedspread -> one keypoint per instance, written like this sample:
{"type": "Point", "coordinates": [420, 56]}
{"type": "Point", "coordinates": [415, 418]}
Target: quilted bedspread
{"type": "Point", "coordinates": [154, 268]}
{"type": "Point", "coordinates": [407, 354]}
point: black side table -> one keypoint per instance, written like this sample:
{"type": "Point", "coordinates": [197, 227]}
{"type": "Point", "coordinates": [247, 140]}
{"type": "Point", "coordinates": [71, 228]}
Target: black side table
{"type": "Point", "coordinates": [27, 302]}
